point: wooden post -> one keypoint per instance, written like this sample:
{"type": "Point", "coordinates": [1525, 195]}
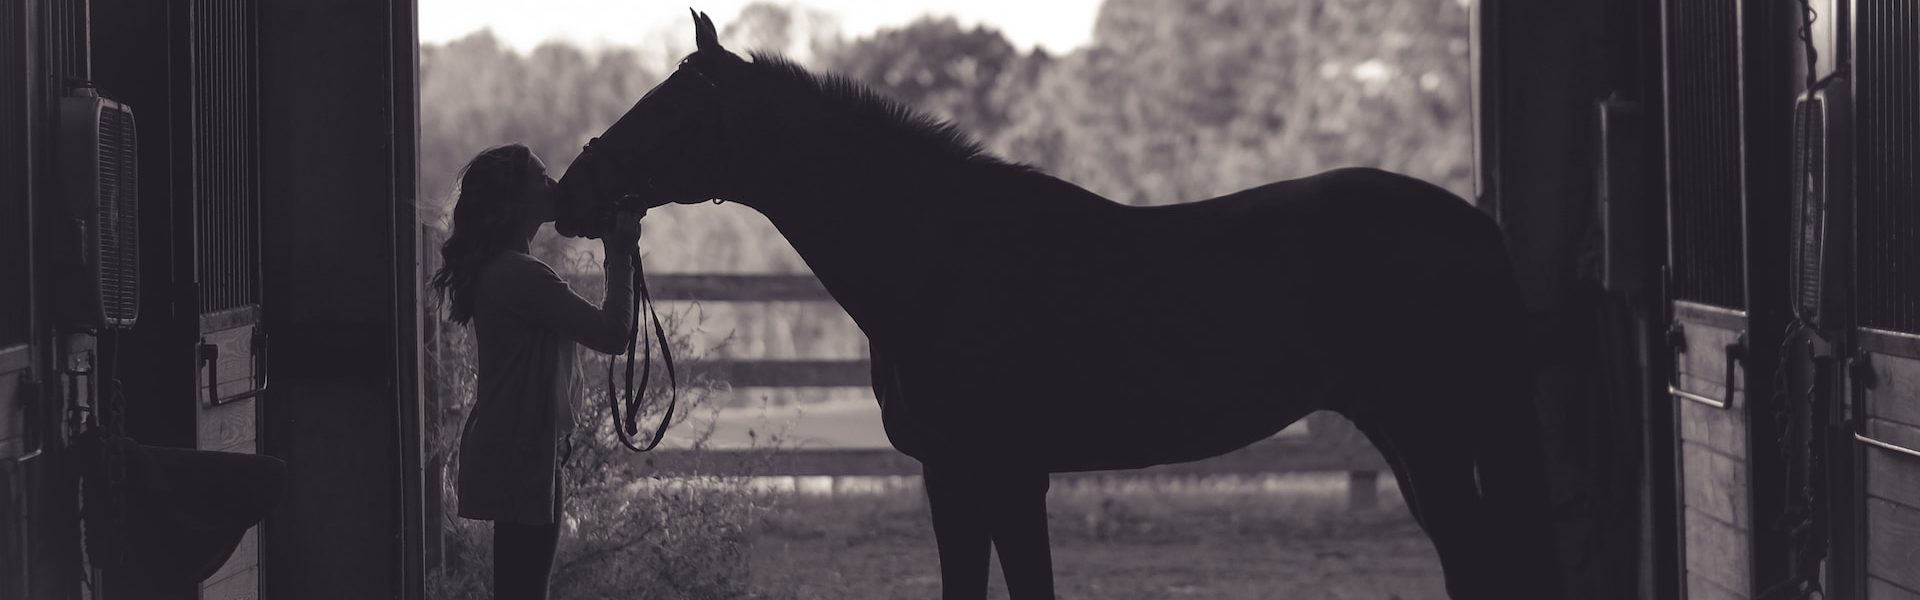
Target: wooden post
{"type": "Point", "coordinates": [1363, 490]}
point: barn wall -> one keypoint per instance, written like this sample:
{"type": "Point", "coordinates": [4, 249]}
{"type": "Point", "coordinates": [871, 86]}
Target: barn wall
{"type": "Point", "coordinates": [1543, 68]}
{"type": "Point", "coordinates": [340, 250]}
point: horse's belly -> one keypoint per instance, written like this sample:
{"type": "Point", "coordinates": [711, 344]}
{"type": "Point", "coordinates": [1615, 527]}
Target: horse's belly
{"type": "Point", "coordinates": [1113, 427]}
{"type": "Point", "coordinates": [1081, 416]}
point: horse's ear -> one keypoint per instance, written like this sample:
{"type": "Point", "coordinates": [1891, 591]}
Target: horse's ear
{"type": "Point", "coordinates": [705, 37]}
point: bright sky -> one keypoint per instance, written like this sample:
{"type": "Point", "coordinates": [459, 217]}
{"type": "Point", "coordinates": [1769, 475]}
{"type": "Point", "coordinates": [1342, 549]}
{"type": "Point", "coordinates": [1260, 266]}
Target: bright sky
{"type": "Point", "coordinates": [1057, 25]}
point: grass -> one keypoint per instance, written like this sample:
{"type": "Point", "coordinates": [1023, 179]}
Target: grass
{"type": "Point", "coordinates": [1226, 539]}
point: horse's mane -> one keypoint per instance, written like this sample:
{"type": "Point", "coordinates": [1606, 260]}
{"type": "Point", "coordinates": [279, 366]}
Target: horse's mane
{"type": "Point", "coordinates": [855, 105]}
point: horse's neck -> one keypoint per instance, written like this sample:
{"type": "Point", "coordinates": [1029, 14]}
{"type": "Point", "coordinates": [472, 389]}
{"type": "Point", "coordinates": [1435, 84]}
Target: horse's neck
{"type": "Point", "coordinates": [862, 235]}
{"type": "Point", "coordinates": [858, 246]}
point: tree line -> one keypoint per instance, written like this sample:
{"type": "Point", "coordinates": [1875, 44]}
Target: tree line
{"type": "Point", "coordinates": [1171, 101]}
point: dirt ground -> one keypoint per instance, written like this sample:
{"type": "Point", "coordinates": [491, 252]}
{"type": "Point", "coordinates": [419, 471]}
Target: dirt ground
{"type": "Point", "coordinates": [1116, 542]}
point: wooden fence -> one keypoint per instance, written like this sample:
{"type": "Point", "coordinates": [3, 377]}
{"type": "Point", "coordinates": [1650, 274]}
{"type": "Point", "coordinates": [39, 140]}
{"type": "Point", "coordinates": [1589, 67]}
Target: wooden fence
{"type": "Point", "coordinates": [1331, 444]}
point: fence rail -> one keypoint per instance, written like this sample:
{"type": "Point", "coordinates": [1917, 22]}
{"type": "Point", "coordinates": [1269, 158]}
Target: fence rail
{"type": "Point", "coordinates": [1307, 453]}
{"type": "Point", "coordinates": [1277, 455]}
{"type": "Point", "coordinates": [787, 373]}
{"type": "Point", "coordinates": [803, 287]}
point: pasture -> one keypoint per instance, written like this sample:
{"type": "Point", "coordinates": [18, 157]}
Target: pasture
{"type": "Point", "coordinates": [1228, 538]}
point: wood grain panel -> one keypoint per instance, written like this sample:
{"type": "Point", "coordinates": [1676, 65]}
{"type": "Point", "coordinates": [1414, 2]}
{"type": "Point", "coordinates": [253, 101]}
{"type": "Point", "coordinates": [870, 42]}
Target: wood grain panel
{"type": "Point", "coordinates": [236, 353]}
{"type": "Point", "coordinates": [1893, 477]}
{"type": "Point", "coordinates": [245, 556]}
{"type": "Point", "coordinates": [13, 546]}
{"type": "Point", "coordinates": [233, 365]}
{"type": "Point", "coordinates": [1715, 483]}
{"type": "Point", "coordinates": [17, 357]}
{"type": "Point", "coordinates": [231, 388]}
{"type": "Point", "coordinates": [1895, 393]}
{"type": "Point", "coordinates": [230, 318]}
{"type": "Point", "coordinates": [244, 585]}
{"type": "Point", "coordinates": [1722, 429]}
{"type": "Point", "coordinates": [227, 424]}
{"type": "Point", "coordinates": [243, 447]}
{"type": "Point", "coordinates": [1702, 368]}
{"type": "Point", "coordinates": [1717, 551]}
{"type": "Point", "coordinates": [1893, 543]}
{"type": "Point", "coordinates": [1701, 588]}
{"type": "Point", "coordinates": [17, 412]}
{"type": "Point", "coordinates": [13, 410]}
{"type": "Point", "coordinates": [1881, 589]}
{"type": "Point", "coordinates": [1713, 463]}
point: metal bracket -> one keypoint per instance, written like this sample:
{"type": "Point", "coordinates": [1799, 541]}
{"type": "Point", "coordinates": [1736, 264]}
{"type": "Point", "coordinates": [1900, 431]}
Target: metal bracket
{"type": "Point", "coordinates": [1735, 352]}
{"type": "Point", "coordinates": [1863, 438]}
{"type": "Point", "coordinates": [36, 419]}
{"type": "Point", "coordinates": [210, 355]}
{"type": "Point", "coordinates": [1861, 371]}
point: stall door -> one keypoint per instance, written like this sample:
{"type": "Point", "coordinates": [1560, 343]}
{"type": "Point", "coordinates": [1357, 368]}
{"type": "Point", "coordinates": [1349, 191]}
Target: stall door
{"type": "Point", "coordinates": [230, 351]}
{"type": "Point", "coordinates": [1885, 378]}
{"type": "Point", "coordinates": [1707, 281]}
{"type": "Point", "coordinates": [22, 434]}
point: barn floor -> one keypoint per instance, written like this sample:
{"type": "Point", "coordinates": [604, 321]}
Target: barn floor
{"type": "Point", "coordinates": [1293, 539]}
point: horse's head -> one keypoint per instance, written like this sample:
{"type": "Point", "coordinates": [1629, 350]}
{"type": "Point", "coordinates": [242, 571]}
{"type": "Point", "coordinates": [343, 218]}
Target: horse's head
{"type": "Point", "coordinates": [670, 147]}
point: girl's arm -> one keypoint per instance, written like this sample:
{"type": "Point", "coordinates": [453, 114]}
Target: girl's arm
{"type": "Point", "coordinates": [548, 300]}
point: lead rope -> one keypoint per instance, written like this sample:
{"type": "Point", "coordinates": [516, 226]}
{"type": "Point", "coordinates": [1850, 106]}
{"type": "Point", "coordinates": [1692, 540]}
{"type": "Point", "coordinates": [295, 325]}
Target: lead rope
{"type": "Point", "coordinates": [629, 426]}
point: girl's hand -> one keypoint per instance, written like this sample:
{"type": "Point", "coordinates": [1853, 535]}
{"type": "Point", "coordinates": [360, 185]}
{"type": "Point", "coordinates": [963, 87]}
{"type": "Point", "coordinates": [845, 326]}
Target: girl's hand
{"type": "Point", "coordinates": [623, 240]}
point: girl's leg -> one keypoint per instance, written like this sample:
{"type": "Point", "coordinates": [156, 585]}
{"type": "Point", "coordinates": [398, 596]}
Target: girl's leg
{"type": "Point", "coordinates": [523, 554]}
{"type": "Point", "coordinates": [522, 559]}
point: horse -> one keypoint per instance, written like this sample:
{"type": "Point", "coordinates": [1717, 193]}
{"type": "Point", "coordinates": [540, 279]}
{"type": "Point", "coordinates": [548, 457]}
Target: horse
{"type": "Point", "coordinates": [1020, 325]}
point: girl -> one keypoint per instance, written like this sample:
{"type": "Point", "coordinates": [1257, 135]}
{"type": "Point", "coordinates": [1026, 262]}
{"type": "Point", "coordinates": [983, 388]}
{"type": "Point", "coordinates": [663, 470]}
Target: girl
{"type": "Point", "coordinates": [526, 320]}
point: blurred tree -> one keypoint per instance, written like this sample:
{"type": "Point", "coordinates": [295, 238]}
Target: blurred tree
{"type": "Point", "coordinates": [939, 67]}
{"type": "Point", "coordinates": [1181, 100]}
{"type": "Point", "coordinates": [1172, 100]}
{"type": "Point", "coordinates": [476, 93]}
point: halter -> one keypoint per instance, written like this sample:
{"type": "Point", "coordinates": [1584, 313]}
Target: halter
{"type": "Point", "coordinates": [629, 426]}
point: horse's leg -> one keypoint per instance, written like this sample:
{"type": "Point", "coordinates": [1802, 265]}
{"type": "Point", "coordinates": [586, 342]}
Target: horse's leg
{"type": "Point", "coordinates": [1019, 515]}
{"type": "Point", "coordinates": [1514, 489]}
{"type": "Point", "coordinates": [1384, 444]}
{"type": "Point", "coordinates": [1505, 429]}
{"type": "Point", "coordinates": [1435, 471]}
{"type": "Point", "coordinates": [960, 530]}
{"type": "Point", "coordinates": [1459, 450]}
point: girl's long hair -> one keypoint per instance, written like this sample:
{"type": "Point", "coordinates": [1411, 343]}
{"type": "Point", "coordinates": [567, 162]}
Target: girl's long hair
{"type": "Point", "coordinates": [483, 219]}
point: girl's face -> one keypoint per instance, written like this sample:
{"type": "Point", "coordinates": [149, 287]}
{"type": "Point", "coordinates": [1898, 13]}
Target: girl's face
{"type": "Point", "coordinates": [536, 200]}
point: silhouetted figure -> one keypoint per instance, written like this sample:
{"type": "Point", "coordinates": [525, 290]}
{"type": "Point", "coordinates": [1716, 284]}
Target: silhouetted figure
{"type": "Point", "coordinates": [526, 320]}
{"type": "Point", "coordinates": [1021, 325]}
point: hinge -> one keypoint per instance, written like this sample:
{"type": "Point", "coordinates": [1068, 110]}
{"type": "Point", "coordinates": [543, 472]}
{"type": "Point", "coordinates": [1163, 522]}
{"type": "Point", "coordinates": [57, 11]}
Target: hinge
{"type": "Point", "coordinates": [38, 429]}
{"type": "Point", "coordinates": [1860, 370]}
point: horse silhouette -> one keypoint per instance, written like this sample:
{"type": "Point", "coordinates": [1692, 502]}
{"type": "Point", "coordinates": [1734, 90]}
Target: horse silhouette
{"type": "Point", "coordinates": [1020, 325]}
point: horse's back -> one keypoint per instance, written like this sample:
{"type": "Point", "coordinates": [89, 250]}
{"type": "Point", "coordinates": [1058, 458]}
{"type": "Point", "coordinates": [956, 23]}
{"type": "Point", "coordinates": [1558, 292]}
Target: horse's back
{"type": "Point", "coordinates": [1342, 247]}
{"type": "Point", "coordinates": [1174, 333]}
{"type": "Point", "coordinates": [1276, 297]}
